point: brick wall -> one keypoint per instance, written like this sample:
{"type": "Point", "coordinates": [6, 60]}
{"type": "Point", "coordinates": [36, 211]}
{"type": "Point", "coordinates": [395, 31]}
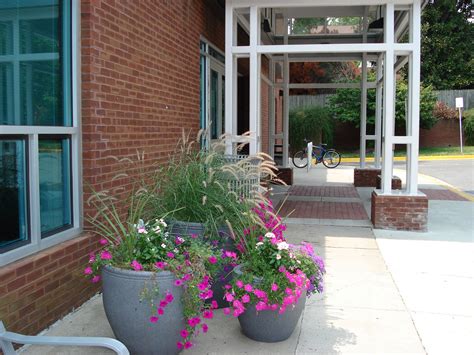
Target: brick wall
{"type": "Point", "coordinates": [140, 87]}
{"type": "Point", "coordinates": [38, 290]}
{"type": "Point", "coordinates": [366, 177]}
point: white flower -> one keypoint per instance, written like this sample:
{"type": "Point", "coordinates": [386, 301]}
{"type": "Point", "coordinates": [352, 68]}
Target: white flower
{"type": "Point", "coordinates": [258, 244]}
{"type": "Point", "coordinates": [163, 223]}
{"type": "Point", "coordinates": [270, 235]}
{"type": "Point", "coordinates": [292, 255]}
{"type": "Point", "coordinates": [157, 229]}
{"type": "Point", "coordinates": [175, 250]}
{"type": "Point", "coordinates": [299, 262]}
{"type": "Point", "coordinates": [283, 246]}
{"type": "Point", "coordinates": [163, 246]}
{"type": "Point", "coordinates": [278, 256]}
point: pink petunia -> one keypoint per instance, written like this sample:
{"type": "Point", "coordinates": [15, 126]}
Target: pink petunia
{"type": "Point", "coordinates": [136, 265]}
{"type": "Point", "coordinates": [205, 327]}
{"type": "Point", "coordinates": [207, 314]}
{"type": "Point", "coordinates": [153, 319]}
{"type": "Point", "coordinates": [246, 298]}
{"type": "Point", "coordinates": [105, 255]}
{"type": "Point", "coordinates": [214, 304]}
{"type": "Point", "coordinates": [188, 345]}
{"type": "Point", "coordinates": [95, 279]}
{"type": "Point", "coordinates": [92, 257]}
{"type": "Point", "coordinates": [274, 287]}
{"type": "Point", "coordinates": [178, 282]}
{"type": "Point", "coordinates": [248, 288]}
{"type": "Point", "coordinates": [160, 264]}
{"type": "Point", "coordinates": [226, 311]}
{"type": "Point", "coordinates": [169, 298]}
{"type": "Point", "coordinates": [170, 255]}
{"type": "Point", "coordinates": [88, 271]}
{"type": "Point", "coordinates": [161, 311]}
{"type": "Point", "coordinates": [179, 345]}
{"type": "Point", "coordinates": [229, 297]}
{"type": "Point", "coordinates": [163, 303]}
{"type": "Point", "coordinates": [239, 284]}
{"type": "Point", "coordinates": [212, 259]}
{"type": "Point", "coordinates": [184, 333]}
{"type": "Point", "coordinates": [103, 241]}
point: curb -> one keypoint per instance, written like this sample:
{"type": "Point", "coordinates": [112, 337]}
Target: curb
{"type": "Point", "coordinates": [421, 158]}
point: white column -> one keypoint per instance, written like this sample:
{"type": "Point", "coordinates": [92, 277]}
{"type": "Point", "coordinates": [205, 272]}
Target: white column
{"type": "Point", "coordinates": [414, 92]}
{"type": "Point", "coordinates": [388, 101]}
{"type": "Point", "coordinates": [271, 118]}
{"type": "Point", "coordinates": [363, 112]}
{"type": "Point", "coordinates": [230, 118]}
{"type": "Point", "coordinates": [378, 113]}
{"type": "Point", "coordinates": [255, 64]}
{"type": "Point", "coordinates": [286, 98]}
{"type": "Point", "coordinates": [363, 96]}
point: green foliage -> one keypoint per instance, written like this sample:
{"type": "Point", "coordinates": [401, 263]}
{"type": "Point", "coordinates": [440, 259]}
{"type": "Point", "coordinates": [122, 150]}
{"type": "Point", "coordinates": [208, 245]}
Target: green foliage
{"type": "Point", "coordinates": [345, 105]}
{"type": "Point", "coordinates": [448, 45]}
{"type": "Point", "coordinates": [468, 125]}
{"type": "Point", "coordinates": [313, 123]}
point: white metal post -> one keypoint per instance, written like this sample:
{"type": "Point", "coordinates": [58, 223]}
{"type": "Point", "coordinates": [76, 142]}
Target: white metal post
{"type": "Point", "coordinates": [363, 112]}
{"type": "Point", "coordinates": [414, 89]}
{"type": "Point", "coordinates": [388, 101]}
{"type": "Point", "coordinates": [363, 96]}
{"type": "Point", "coordinates": [286, 98]}
{"type": "Point", "coordinates": [229, 76]}
{"type": "Point", "coordinates": [254, 104]}
{"type": "Point", "coordinates": [378, 113]}
{"type": "Point", "coordinates": [271, 119]}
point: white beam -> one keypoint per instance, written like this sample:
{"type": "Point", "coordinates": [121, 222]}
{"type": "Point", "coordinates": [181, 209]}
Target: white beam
{"type": "Point", "coordinates": [328, 85]}
{"type": "Point", "coordinates": [414, 91]}
{"type": "Point", "coordinates": [388, 102]}
{"type": "Point", "coordinates": [363, 97]}
{"type": "Point", "coordinates": [286, 99]}
{"type": "Point", "coordinates": [254, 79]}
{"type": "Point", "coordinates": [378, 113]}
{"type": "Point", "coordinates": [311, 3]}
{"type": "Point", "coordinates": [229, 74]}
{"type": "Point", "coordinates": [271, 118]}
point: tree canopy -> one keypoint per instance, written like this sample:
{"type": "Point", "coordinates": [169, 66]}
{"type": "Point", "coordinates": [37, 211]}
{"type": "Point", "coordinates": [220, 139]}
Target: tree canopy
{"type": "Point", "coordinates": [448, 45]}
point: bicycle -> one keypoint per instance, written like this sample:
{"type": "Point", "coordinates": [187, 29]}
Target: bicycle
{"type": "Point", "coordinates": [329, 157]}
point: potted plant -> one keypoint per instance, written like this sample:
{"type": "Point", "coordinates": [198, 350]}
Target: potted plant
{"type": "Point", "coordinates": [273, 279]}
{"type": "Point", "coordinates": [155, 285]}
{"type": "Point", "coordinates": [208, 192]}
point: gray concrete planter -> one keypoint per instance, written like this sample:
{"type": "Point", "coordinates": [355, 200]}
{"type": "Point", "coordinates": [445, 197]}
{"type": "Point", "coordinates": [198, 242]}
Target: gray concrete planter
{"type": "Point", "coordinates": [128, 311]}
{"type": "Point", "coordinates": [269, 326]}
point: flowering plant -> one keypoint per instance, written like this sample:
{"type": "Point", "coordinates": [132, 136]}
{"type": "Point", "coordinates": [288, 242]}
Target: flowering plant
{"type": "Point", "coordinates": [274, 273]}
{"type": "Point", "coordinates": [149, 246]}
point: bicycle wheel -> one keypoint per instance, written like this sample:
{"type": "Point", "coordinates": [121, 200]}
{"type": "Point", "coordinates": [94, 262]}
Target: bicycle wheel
{"type": "Point", "coordinates": [300, 159]}
{"type": "Point", "coordinates": [331, 159]}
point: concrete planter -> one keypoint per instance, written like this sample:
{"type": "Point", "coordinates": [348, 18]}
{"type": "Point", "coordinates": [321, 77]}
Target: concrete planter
{"type": "Point", "coordinates": [129, 311]}
{"type": "Point", "coordinates": [269, 326]}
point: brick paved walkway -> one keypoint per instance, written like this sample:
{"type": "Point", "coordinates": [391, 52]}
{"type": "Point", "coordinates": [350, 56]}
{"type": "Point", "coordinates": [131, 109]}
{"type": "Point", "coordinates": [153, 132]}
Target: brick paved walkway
{"type": "Point", "coordinates": [324, 202]}
{"type": "Point", "coordinates": [324, 191]}
{"type": "Point", "coordinates": [445, 195]}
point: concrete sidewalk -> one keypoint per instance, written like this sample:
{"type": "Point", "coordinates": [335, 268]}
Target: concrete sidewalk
{"type": "Point", "coordinates": [386, 292]}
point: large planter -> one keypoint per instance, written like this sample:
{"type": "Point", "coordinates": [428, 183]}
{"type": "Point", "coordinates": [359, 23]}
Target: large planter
{"type": "Point", "coordinates": [128, 310]}
{"type": "Point", "coordinates": [269, 326]}
{"type": "Point", "coordinates": [183, 229]}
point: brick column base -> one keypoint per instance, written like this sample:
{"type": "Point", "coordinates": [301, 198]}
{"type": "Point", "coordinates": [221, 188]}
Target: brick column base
{"type": "Point", "coordinates": [286, 175]}
{"type": "Point", "coordinates": [366, 177]}
{"type": "Point", "coordinates": [396, 182]}
{"type": "Point", "coordinates": [409, 213]}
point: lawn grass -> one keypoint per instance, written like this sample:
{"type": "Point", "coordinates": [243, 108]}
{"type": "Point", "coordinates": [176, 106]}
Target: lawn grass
{"type": "Point", "coordinates": [423, 152]}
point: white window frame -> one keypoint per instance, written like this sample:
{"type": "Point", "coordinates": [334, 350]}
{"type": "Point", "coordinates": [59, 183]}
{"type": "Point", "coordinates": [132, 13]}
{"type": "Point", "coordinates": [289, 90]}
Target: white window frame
{"type": "Point", "coordinates": [32, 132]}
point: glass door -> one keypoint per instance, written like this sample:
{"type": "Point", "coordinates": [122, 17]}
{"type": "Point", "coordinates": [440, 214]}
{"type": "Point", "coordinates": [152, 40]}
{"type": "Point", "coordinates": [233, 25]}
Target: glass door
{"type": "Point", "coordinates": [216, 123]}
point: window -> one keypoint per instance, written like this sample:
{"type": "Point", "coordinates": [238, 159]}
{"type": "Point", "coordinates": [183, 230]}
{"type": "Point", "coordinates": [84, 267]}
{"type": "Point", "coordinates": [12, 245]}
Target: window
{"type": "Point", "coordinates": [212, 92]}
{"type": "Point", "coordinates": [39, 197]}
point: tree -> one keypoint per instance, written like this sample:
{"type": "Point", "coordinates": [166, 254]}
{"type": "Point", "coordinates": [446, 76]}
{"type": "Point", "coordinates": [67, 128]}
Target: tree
{"type": "Point", "coordinates": [448, 45]}
{"type": "Point", "coordinates": [345, 105]}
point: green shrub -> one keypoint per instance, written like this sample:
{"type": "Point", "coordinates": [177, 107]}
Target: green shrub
{"type": "Point", "coordinates": [468, 126]}
{"type": "Point", "coordinates": [313, 123]}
